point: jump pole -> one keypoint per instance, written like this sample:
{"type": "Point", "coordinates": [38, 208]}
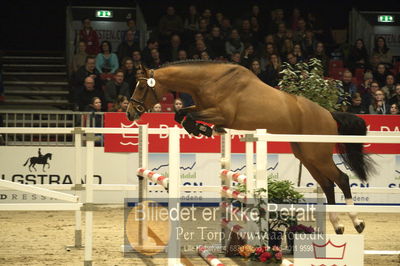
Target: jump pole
{"type": "Point", "coordinates": [78, 185]}
{"type": "Point", "coordinates": [143, 183]}
{"type": "Point", "coordinates": [88, 206]}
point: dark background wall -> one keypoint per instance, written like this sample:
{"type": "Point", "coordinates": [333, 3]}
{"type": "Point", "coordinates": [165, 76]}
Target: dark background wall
{"type": "Point", "coordinates": [39, 25]}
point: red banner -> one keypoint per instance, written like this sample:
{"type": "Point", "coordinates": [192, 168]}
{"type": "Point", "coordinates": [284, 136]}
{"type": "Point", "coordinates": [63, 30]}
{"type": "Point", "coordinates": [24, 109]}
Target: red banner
{"type": "Point", "coordinates": [129, 142]}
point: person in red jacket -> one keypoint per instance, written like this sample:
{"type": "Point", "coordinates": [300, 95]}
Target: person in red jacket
{"type": "Point", "coordinates": [88, 35]}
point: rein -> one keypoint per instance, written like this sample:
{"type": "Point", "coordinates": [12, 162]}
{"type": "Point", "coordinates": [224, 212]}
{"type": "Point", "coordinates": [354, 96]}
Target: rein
{"type": "Point", "coordinates": [150, 82]}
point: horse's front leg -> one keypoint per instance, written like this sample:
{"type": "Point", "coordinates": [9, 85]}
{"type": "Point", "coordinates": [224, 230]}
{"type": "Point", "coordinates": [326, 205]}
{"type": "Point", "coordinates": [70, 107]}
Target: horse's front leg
{"type": "Point", "coordinates": [212, 116]}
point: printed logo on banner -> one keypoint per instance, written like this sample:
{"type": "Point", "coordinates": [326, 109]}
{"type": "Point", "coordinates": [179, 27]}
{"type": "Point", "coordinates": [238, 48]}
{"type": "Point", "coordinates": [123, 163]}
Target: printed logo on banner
{"type": "Point", "coordinates": [40, 159]}
{"type": "Point", "coordinates": [129, 139]}
{"type": "Point", "coordinates": [238, 164]}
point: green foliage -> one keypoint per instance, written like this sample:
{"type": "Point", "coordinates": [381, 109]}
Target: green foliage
{"type": "Point", "coordinates": [306, 79]}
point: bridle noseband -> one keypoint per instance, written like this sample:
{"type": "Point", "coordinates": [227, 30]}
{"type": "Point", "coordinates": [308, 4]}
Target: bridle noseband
{"type": "Point", "coordinates": [140, 107]}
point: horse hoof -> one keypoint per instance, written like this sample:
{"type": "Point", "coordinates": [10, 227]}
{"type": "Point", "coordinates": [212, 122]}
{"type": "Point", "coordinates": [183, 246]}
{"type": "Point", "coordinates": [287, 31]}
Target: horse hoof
{"type": "Point", "coordinates": [339, 230]}
{"type": "Point", "coordinates": [360, 227]}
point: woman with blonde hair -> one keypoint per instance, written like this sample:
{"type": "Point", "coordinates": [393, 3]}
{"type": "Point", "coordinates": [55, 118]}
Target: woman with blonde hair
{"type": "Point", "coordinates": [121, 104]}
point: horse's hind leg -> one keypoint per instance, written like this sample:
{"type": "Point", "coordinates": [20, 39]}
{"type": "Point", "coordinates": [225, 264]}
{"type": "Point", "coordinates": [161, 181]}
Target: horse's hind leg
{"type": "Point", "coordinates": [342, 181]}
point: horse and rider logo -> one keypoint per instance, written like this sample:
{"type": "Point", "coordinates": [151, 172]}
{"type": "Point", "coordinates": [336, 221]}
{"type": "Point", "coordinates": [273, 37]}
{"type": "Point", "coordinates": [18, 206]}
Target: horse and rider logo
{"type": "Point", "coordinates": [41, 159]}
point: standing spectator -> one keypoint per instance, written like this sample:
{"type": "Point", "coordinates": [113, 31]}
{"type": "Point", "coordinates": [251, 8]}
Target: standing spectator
{"type": "Point", "coordinates": [88, 35]}
{"type": "Point", "coordinates": [126, 47]}
{"type": "Point", "coordinates": [389, 89]}
{"type": "Point", "coordinates": [87, 93]}
{"type": "Point", "coordinates": [396, 97]}
{"type": "Point", "coordinates": [256, 69]}
{"type": "Point", "coordinates": [358, 56]}
{"type": "Point", "coordinates": [234, 44]}
{"type": "Point", "coordinates": [116, 87]}
{"type": "Point", "coordinates": [216, 42]}
{"type": "Point", "coordinates": [273, 69]}
{"type": "Point", "coordinates": [170, 23]}
{"type": "Point", "coordinates": [191, 24]}
{"type": "Point", "coordinates": [394, 109]}
{"type": "Point", "coordinates": [379, 106]}
{"type": "Point", "coordinates": [106, 60]}
{"type": "Point", "coordinates": [320, 54]}
{"type": "Point", "coordinates": [129, 73]}
{"type": "Point", "coordinates": [356, 106]}
{"type": "Point", "coordinates": [78, 60]}
{"type": "Point", "coordinates": [348, 86]}
{"type": "Point", "coordinates": [146, 53]}
{"type": "Point", "coordinates": [131, 23]}
{"type": "Point", "coordinates": [382, 52]}
{"type": "Point", "coordinates": [381, 73]}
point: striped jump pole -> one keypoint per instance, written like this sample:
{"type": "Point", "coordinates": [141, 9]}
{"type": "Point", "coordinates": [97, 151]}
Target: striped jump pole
{"type": "Point", "coordinates": [209, 257]}
{"type": "Point", "coordinates": [154, 177]}
{"type": "Point", "coordinates": [234, 176]}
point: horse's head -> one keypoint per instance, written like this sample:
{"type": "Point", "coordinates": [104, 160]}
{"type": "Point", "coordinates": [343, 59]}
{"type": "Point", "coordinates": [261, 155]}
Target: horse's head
{"type": "Point", "coordinates": [48, 155]}
{"type": "Point", "coordinates": [144, 96]}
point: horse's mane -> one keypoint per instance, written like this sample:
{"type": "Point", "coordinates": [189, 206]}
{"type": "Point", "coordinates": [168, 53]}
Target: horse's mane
{"type": "Point", "coordinates": [195, 62]}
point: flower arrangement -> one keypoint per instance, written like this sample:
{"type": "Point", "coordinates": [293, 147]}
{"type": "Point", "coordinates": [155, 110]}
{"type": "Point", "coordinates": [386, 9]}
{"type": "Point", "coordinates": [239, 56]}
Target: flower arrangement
{"type": "Point", "coordinates": [263, 254]}
{"type": "Point", "coordinates": [301, 228]}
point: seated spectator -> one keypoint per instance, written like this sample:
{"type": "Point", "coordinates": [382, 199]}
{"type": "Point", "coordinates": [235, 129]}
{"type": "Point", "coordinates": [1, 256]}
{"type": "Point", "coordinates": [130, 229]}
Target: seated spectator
{"type": "Point", "coordinates": [256, 69]}
{"type": "Point", "coordinates": [129, 73]}
{"type": "Point", "coordinates": [234, 44]}
{"type": "Point", "coordinates": [300, 32]}
{"type": "Point", "coordinates": [171, 50]}
{"type": "Point", "coordinates": [137, 60]}
{"type": "Point", "coordinates": [394, 109]}
{"type": "Point", "coordinates": [203, 26]}
{"type": "Point", "coordinates": [79, 59]}
{"type": "Point", "coordinates": [356, 106]}
{"type": "Point", "coordinates": [78, 78]}
{"type": "Point", "coordinates": [247, 55]}
{"type": "Point", "coordinates": [88, 35]}
{"type": "Point", "coordinates": [116, 87]}
{"type": "Point", "coordinates": [269, 50]}
{"type": "Point", "coordinates": [226, 28]}
{"type": "Point", "coordinates": [273, 69]}
{"type": "Point", "coordinates": [216, 42]}
{"type": "Point", "coordinates": [157, 108]}
{"type": "Point", "coordinates": [280, 35]}
{"type": "Point", "coordinates": [191, 22]}
{"type": "Point", "coordinates": [204, 56]}
{"type": "Point", "coordinates": [256, 30]}
{"type": "Point", "coordinates": [382, 52]}
{"type": "Point", "coordinates": [178, 104]}
{"type": "Point", "coordinates": [396, 97]}
{"type": "Point", "coordinates": [379, 105]}
{"type": "Point", "coordinates": [182, 55]}
{"type": "Point", "coordinates": [309, 43]}
{"type": "Point", "coordinates": [208, 17]}
{"type": "Point", "coordinates": [389, 89]}
{"type": "Point", "coordinates": [366, 85]}
{"type": "Point", "coordinates": [320, 54]}
{"type": "Point", "coordinates": [348, 86]}
{"type": "Point", "coordinates": [287, 47]}
{"type": "Point", "coordinates": [106, 60]}
{"type": "Point", "coordinates": [246, 34]}
{"type": "Point", "coordinates": [298, 52]}
{"type": "Point", "coordinates": [155, 60]}
{"type": "Point", "coordinates": [94, 105]}
{"type": "Point", "coordinates": [235, 58]}
{"type": "Point", "coordinates": [291, 59]}
{"type": "Point", "coordinates": [358, 56]}
{"type": "Point", "coordinates": [201, 47]}
{"type": "Point", "coordinates": [369, 96]}
{"type": "Point", "coordinates": [87, 93]}
{"type": "Point", "coordinates": [380, 74]}
{"type": "Point", "coordinates": [121, 105]}
{"type": "Point", "coordinates": [95, 119]}
{"type": "Point", "coordinates": [146, 53]}
{"type": "Point", "coordinates": [127, 46]}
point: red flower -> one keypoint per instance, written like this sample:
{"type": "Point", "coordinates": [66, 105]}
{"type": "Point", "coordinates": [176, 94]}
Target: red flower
{"type": "Point", "coordinates": [265, 256]}
{"type": "Point", "coordinates": [278, 255]}
{"type": "Point", "coordinates": [259, 250]}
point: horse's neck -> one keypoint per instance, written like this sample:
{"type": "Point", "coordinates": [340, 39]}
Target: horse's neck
{"type": "Point", "coordinates": [178, 79]}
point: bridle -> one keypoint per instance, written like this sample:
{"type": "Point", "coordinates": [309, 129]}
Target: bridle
{"type": "Point", "coordinates": [150, 82]}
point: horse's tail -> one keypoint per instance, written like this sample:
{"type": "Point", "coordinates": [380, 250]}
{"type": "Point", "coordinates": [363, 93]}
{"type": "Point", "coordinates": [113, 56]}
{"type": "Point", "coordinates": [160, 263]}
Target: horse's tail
{"type": "Point", "coordinates": [353, 153]}
{"type": "Point", "coordinates": [27, 161]}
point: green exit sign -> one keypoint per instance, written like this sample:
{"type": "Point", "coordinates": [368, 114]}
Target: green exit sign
{"type": "Point", "coordinates": [385, 18]}
{"type": "Point", "coordinates": [104, 14]}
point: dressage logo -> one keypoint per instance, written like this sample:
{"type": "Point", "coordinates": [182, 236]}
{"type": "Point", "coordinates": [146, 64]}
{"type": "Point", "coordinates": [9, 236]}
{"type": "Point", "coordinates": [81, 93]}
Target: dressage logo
{"type": "Point", "coordinates": [40, 159]}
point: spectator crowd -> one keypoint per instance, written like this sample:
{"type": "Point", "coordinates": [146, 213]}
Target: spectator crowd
{"type": "Point", "coordinates": [104, 77]}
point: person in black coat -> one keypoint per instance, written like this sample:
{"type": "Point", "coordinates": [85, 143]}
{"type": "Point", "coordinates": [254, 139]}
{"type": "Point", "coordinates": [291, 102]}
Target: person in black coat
{"type": "Point", "coordinates": [87, 92]}
{"type": "Point", "coordinates": [358, 56]}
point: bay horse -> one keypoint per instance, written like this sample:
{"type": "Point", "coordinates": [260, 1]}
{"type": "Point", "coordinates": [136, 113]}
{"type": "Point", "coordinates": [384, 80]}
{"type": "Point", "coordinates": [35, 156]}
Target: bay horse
{"type": "Point", "coordinates": [231, 96]}
{"type": "Point", "coordinates": [39, 160]}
